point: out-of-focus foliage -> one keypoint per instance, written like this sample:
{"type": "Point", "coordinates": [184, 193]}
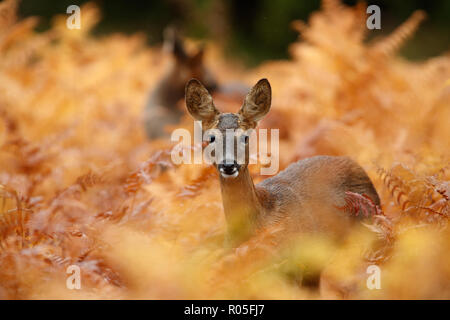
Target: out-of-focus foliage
{"type": "Point", "coordinates": [81, 185]}
{"type": "Point", "coordinates": [250, 31]}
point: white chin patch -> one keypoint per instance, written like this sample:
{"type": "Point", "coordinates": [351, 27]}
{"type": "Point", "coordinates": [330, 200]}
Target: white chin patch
{"type": "Point", "coordinates": [233, 175]}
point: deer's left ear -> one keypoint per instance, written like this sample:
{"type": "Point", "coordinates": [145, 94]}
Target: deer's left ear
{"type": "Point", "coordinates": [256, 104]}
{"type": "Point", "coordinates": [200, 103]}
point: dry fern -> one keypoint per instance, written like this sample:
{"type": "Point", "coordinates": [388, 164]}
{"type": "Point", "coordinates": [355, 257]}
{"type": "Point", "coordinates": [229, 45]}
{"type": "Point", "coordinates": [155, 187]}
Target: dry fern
{"type": "Point", "coordinates": [81, 185]}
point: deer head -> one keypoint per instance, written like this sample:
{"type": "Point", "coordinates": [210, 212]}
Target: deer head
{"type": "Point", "coordinates": [185, 65]}
{"type": "Point", "coordinates": [228, 133]}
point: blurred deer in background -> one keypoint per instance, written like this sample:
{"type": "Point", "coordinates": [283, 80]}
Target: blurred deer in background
{"type": "Point", "coordinates": [308, 195]}
{"type": "Point", "coordinates": [161, 108]}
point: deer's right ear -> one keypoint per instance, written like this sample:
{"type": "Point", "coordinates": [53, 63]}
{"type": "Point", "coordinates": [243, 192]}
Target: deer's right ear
{"type": "Point", "coordinates": [200, 103]}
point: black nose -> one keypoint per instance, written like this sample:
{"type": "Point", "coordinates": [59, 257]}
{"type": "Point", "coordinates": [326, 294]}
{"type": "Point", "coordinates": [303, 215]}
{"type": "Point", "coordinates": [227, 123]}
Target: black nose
{"type": "Point", "coordinates": [228, 168]}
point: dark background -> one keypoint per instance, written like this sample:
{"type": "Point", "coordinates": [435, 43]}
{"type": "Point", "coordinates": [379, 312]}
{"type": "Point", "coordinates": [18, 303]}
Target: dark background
{"type": "Point", "coordinates": [250, 30]}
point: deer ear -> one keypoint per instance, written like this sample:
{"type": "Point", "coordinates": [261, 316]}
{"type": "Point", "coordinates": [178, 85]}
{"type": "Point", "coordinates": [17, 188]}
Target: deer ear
{"type": "Point", "coordinates": [256, 104]}
{"type": "Point", "coordinates": [174, 44]}
{"type": "Point", "coordinates": [200, 103]}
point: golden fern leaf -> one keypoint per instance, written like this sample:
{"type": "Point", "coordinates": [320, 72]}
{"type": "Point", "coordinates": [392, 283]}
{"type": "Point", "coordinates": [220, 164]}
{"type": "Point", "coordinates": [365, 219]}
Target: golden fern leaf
{"type": "Point", "coordinates": [13, 218]}
{"type": "Point", "coordinates": [396, 188]}
{"type": "Point", "coordinates": [332, 6]}
{"type": "Point", "coordinates": [395, 40]}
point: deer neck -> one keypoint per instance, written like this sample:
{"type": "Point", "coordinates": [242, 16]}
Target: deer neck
{"type": "Point", "coordinates": [241, 206]}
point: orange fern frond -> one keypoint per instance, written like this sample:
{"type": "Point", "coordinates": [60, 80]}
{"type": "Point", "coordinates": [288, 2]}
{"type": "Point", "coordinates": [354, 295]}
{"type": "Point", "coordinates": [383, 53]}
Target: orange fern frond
{"type": "Point", "coordinates": [383, 227]}
{"type": "Point", "coordinates": [150, 169]}
{"type": "Point", "coordinates": [396, 188]}
{"type": "Point", "coordinates": [196, 186]}
{"type": "Point", "coordinates": [332, 6]}
{"type": "Point", "coordinates": [89, 180]}
{"type": "Point", "coordinates": [393, 42]}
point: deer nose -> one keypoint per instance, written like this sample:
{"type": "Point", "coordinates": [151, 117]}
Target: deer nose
{"type": "Point", "coordinates": [228, 168]}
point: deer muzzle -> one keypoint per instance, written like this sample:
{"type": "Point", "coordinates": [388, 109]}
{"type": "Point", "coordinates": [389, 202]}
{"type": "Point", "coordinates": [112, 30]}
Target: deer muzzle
{"type": "Point", "coordinates": [229, 169]}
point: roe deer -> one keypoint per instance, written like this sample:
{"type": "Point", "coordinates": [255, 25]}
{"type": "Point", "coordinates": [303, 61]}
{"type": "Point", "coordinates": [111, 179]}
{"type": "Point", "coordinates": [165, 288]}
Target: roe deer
{"type": "Point", "coordinates": [161, 108]}
{"type": "Point", "coordinates": [307, 194]}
